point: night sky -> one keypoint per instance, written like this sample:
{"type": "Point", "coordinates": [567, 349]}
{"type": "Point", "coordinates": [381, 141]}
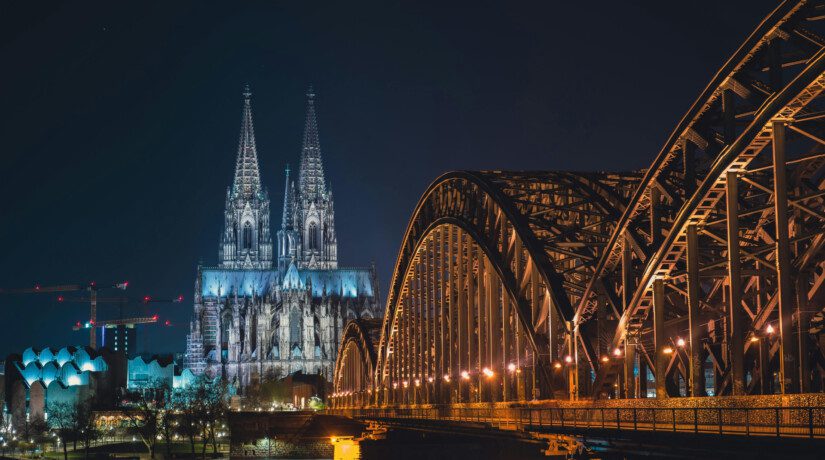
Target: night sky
{"type": "Point", "coordinates": [119, 122]}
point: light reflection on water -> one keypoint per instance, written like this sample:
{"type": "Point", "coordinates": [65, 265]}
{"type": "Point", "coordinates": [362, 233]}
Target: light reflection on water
{"type": "Point", "coordinates": [346, 449]}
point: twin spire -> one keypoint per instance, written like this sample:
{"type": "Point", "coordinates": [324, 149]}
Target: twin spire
{"type": "Point", "coordinates": [247, 174]}
{"type": "Point", "coordinates": [311, 182]}
{"type": "Point", "coordinates": [311, 176]}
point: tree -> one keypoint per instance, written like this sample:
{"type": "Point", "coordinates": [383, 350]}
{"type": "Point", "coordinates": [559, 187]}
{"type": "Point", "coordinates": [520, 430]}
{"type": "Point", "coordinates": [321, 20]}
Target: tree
{"type": "Point", "coordinates": [63, 419]}
{"type": "Point", "coordinates": [166, 426]}
{"type": "Point", "coordinates": [143, 411]}
{"type": "Point", "coordinates": [185, 404]}
{"type": "Point", "coordinates": [202, 407]}
{"type": "Point", "coordinates": [85, 425]}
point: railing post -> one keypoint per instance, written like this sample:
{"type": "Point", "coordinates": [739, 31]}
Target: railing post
{"type": "Point", "coordinates": [696, 420]}
{"type": "Point", "coordinates": [618, 421]}
{"type": "Point", "coordinates": [602, 410]}
{"type": "Point", "coordinates": [719, 417]}
{"type": "Point", "coordinates": [653, 415]}
{"type": "Point", "coordinates": [776, 412]}
{"type": "Point", "coordinates": [747, 422]}
{"type": "Point", "coordinates": [811, 422]}
{"type": "Point", "coordinates": [635, 427]}
{"type": "Point", "coordinates": [673, 414]}
{"type": "Point", "coordinates": [561, 416]}
{"type": "Point", "coordinates": [540, 417]}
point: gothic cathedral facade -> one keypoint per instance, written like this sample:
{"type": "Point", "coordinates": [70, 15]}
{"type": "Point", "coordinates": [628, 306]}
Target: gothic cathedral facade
{"type": "Point", "coordinates": [261, 314]}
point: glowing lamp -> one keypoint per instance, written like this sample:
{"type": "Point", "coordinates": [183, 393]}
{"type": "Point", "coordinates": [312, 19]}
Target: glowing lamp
{"type": "Point", "coordinates": [405, 383]}
{"type": "Point", "coordinates": [488, 372]}
{"type": "Point", "coordinates": [568, 359]}
{"type": "Point", "coordinates": [667, 350]}
{"type": "Point", "coordinates": [617, 352]}
{"type": "Point", "coordinates": [769, 329]}
{"type": "Point", "coordinates": [511, 367]}
{"type": "Point", "coordinates": [394, 385]}
{"type": "Point", "coordinates": [605, 359]}
{"type": "Point", "coordinates": [447, 378]}
{"type": "Point", "coordinates": [680, 342]}
{"type": "Point", "coordinates": [430, 379]}
{"type": "Point", "coordinates": [557, 365]}
{"type": "Point", "coordinates": [465, 375]}
{"type": "Point", "coordinates": [754, 338]}
{"type": "Point", "coordinates": [417, 382]}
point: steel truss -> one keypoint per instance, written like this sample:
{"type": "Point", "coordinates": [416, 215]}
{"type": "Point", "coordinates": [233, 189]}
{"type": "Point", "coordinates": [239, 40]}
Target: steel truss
{"type": "Point", "coordinates": [512, 286]}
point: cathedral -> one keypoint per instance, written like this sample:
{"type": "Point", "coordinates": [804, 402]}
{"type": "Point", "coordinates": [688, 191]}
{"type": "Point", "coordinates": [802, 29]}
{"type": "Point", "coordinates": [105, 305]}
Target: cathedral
{"type": "Point", "coordinates": [265, 312]}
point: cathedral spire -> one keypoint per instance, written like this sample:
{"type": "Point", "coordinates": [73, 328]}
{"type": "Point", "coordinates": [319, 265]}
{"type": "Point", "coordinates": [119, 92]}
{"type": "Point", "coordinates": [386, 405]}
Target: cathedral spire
{"type": "Point", "coordinates": [311, 174]}
{"type": "Point", "coordinates": [286, 220]}
{"type": "Point", "coordinates": [247, 175]}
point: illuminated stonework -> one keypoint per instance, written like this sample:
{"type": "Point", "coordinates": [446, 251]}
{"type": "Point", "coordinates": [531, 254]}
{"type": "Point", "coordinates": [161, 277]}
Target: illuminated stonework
{"type": "Point", "coordinates": [259, 315]}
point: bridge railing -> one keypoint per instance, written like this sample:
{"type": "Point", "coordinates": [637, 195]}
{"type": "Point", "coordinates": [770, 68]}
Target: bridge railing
{"type": "Point", "coordinates": [807, 422]}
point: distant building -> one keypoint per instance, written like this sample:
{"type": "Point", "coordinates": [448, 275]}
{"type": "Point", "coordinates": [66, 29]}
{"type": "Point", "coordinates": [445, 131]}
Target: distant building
{"type": "Point", "coordinates": [146, 372]}
{"type": "Point", "coordinates": [38, 378]}
{"type": "Point", "coordinates": [121, 337]}
{"type": "Point", "coordinates": [264, 312]}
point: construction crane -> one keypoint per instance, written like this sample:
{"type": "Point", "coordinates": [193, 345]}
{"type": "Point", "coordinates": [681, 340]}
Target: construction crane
{"type": "Point", "coordinates": [92, 288]}
{"type": "Point", "coordinates": [93, 299]}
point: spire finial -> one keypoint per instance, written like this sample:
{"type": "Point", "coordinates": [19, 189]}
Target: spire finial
{"type": "Point", "coordinates": [247, 93]}
{"type": "Point", "coordinates": [310, 93]}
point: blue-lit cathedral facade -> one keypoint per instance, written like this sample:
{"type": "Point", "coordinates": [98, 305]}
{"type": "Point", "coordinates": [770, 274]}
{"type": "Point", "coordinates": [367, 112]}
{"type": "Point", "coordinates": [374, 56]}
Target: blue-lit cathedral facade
{"type": "Point", "coordinates": [265, 312]}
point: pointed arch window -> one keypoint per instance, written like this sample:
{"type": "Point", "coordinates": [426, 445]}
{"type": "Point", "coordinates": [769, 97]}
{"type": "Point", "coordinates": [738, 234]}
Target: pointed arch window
{"type": "Point", "coordinates": [313, 236]}
{"type": "Point", "coordinates": [247, 236]}
{"type": "Point", "coordinates": [295, 336]}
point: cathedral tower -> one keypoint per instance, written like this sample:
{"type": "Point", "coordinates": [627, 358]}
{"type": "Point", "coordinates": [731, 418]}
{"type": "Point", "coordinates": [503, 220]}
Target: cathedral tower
{"type": "Point", "coordinates": [246, 241]}
{"type": "Point", "coordinates": [308, 225]}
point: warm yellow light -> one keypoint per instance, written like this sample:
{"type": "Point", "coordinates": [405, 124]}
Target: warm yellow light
{"type": "Point", "coordinates": [447, 378]}
{"type": "Point", "coordinates": [568, 359]}
{"type": "Point", "coordinates": [605, 359]}
{"type": "Point", "coordinates": [754, 338]}
{"type": "Point", "coordinates": [511, 367]}
{"type": "Point", "coordinates": [769, 329]}
{"type": "Point", "coordinates": [394, 385]}
{"type": "Point", "coordinates": [667, 350]}
{"type": "Point", "coordinates": [430, 379]}
{"type": "Point", "coordinates": [465, 375]}
{"type": "Point", "coordinates": [617, 352]}
{"type": "Point", "coordinates": [417, 382]}
{"type": "Point", "coordinates": [680, 342]}
{"type": "Point", "coordinates": [488, 372]}
{"type": "Point", "coordinates": [557, 365]}
{"type": "Point", "coordinates": [405, 383]}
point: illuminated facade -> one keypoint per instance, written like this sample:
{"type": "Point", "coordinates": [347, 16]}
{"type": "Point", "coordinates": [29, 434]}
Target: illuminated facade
{"type": "Point", "coordinates": [263, 315]}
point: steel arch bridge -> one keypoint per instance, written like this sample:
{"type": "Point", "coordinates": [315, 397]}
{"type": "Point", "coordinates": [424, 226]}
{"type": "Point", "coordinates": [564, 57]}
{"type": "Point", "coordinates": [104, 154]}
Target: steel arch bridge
{"type": "Point", "coordinates": [701, 275]}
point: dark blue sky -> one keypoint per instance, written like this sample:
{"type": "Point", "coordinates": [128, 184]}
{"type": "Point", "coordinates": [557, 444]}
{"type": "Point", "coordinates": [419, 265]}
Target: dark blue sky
{"type": "Point", "coordinates": [119, 122]}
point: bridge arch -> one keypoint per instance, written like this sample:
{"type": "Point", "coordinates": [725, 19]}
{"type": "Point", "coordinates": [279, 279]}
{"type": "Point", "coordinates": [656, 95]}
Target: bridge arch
{"type": "Point", "coordinates": [746, 148]}
{"type": "Point", "coordinates": [355, 363]}
{"type": "Point", "coordinates": [489, 268]}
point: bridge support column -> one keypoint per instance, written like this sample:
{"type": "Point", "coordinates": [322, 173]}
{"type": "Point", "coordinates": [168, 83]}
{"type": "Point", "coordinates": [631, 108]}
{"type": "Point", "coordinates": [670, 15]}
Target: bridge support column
{"type": "Point", "coordinates": [736, 329]}
{"type": "Point", "coordinates": [630, 367]}
{"type": "Point", "coordinates": [696, 375]}
{"type": "Point", "coordinates": [788, 358]}
{"type": "Point", "coordinates": [659, 338]}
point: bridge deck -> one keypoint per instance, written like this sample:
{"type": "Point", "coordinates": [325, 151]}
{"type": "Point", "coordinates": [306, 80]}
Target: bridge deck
{"type": "Point", "coordinates": [782, 422]}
